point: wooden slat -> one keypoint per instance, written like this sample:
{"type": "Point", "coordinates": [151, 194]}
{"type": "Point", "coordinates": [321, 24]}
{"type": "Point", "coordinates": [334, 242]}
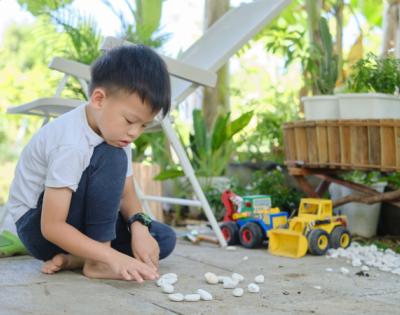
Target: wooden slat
{"type": "Point", "coordinates": [311, 134]}
{"type": "Point", "coordinates": [322, 144]}
{"type": "Point", "coordinates": [333, 143]}
{"type": "Point", "coordinates": [345, 144]}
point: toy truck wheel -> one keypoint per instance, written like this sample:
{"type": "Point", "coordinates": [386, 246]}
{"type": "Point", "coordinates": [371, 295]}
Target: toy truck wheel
{"type": "Point", "coordinates": [318, 242]}
{"type": "Point", "coordinates": [230, 231]}
{"type": "Point", "coordinates": [250, 235]}
{"type": "Point", "coordinates": [340, 237]}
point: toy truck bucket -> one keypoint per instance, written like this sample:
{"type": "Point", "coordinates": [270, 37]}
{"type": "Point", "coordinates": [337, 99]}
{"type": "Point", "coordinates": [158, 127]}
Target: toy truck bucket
{"type": "Point", "coordinates": [287, 243]}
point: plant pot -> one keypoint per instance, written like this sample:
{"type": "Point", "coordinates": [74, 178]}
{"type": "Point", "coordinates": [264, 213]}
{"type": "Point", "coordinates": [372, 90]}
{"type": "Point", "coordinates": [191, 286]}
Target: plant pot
{"type": "Point", "coordinates": [320, 107]}
{"type": "Point", "coordinates": [362, 218]}
{"type": "Point", "coordinates": [369, 106]}
{"type": "Point", "coordinates": [336, 192]}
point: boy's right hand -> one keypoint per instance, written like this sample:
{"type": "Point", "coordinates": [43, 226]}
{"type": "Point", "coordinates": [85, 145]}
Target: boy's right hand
{"type": "Point", "coordinates": [130, 268]}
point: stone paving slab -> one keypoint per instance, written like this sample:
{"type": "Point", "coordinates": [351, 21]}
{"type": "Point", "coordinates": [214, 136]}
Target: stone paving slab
{"type": "Point", "coordinates": [289, 287]}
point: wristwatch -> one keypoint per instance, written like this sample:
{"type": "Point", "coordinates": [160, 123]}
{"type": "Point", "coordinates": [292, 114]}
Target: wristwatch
{"type": "Point", "coordinates": [142, 218]}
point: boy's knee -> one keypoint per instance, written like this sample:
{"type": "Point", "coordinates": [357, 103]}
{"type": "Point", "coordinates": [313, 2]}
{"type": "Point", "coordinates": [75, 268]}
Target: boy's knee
{"type": "Point", "coordinates": [168, 242]}
{"type": "Point", "coordinates": [110, 156]}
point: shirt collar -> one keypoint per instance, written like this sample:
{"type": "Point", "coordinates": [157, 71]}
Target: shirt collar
{"type": "Point", "coordinates": [93, 138]}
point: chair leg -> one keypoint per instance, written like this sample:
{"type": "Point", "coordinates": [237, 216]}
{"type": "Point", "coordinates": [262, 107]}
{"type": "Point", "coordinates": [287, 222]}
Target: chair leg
{"type": "Point", "coordinates": [189, 172]}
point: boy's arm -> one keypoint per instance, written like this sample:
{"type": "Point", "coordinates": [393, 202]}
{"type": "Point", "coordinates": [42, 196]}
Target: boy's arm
{"type": "Point", "coordinates": [56, 202]}
{"type": "Point", "coordinates": [144, 246]}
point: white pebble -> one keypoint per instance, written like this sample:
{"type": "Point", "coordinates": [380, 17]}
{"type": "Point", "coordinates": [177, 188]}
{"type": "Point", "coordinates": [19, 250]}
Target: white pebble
{"type": "Point", "coordinates": [344, 270]}
{"type": "Point", "coordinates": [364, 268]}
{"type": "Point", "coordinates": [253, 288]}
{"type": "Point", "coordinates": [318, 287]}
{"type": "Point", "coordinates": [204, 295]}
{"type": "Point", "coordinates": [160, 282]}
{"type": "Point", "coordinates": [167, 288]}
{"type": "Point", "coordinates": [396, 271]}
{"type": "Point", "coordinates": [259, 279]}
{"type": "Point", "coordinates": [176, 297]}
{"type": "Point", "coordinates": [211, 278]}
{"type": "Point", "coordinates": [231, 248]}
{"type": "Point", "coordinates": [371, 256]}
{"type": "Point", "coordinates": [169, 276]}
{"type": "Point", "coordinates": [329, 269]}
{"type": "Point", "coordinates": [237, 276]}
{"type": "Point", "coordinates": [238, 292]}
{"type": "Point", "coordinates": [245, 258]}
{"type": "Point", "coordinates": [163, 281]}
{"type": "Point", "coordinates": [230, 283]}
{"type": "Point", "coordinates": [192, 297]}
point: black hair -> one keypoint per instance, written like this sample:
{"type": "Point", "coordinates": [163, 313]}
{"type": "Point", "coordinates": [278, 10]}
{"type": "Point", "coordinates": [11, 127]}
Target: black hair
{"type": "Point", "coordinates": [134, 69]}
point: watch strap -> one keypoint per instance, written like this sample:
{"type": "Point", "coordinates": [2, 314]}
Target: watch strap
{"type": "Point", "coordinates": [141, 217]}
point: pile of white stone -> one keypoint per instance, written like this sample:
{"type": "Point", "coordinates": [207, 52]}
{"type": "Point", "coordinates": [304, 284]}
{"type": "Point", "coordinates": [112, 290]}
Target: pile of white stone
{"type": "Point", "coordinates": [166, 283]}
{"type": "Point", "coordinates": [368, 256]}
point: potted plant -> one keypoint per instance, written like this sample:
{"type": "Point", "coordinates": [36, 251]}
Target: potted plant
{"type": "Point", "coordinates": [373, 88]}
{"type": "Point", "coordinates": [362, 218]}
{"type": "Point", "coordinates": [323, 66]}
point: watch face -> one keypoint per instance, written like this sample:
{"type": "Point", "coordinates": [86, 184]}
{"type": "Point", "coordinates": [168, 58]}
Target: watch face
{"type": "Point", "coordinates": [145, 219]}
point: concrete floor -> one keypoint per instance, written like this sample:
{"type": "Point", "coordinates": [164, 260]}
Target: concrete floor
{"type": "Point", "coordinates": [288, 288]}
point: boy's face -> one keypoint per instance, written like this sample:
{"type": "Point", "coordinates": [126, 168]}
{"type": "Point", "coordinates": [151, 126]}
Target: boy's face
{"type": "Point", "coordinates": [119, 118]}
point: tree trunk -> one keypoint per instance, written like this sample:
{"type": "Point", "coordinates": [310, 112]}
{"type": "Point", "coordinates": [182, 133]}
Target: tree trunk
{"type": "Point", "coordinates": [390, 25]}
{"type": "Point", "coordinates": [339, 38]}
{"type": "Point", "coordinates": [216, 100]}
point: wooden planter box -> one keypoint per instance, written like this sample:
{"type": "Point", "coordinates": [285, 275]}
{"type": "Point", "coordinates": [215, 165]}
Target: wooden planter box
{"type": "Point", "coordinates": [371, 144]}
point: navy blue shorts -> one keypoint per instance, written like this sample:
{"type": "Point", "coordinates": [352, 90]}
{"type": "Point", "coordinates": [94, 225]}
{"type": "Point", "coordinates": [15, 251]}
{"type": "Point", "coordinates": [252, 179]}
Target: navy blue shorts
{"type": "Point", "coordinates": [94, 210]}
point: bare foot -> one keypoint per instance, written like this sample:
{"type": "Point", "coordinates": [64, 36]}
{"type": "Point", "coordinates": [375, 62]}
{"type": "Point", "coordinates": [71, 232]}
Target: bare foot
{"type": "Point", "coordinates": [98, 270]}
{"type": "Point", "coordinates": [62, 262]}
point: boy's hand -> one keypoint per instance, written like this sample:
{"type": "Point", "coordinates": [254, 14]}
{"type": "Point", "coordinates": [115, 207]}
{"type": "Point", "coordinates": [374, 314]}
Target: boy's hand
{"type": "Point", "coordinates": [131, 269]}
{"type": "Point", "coordinates": [144, 246]}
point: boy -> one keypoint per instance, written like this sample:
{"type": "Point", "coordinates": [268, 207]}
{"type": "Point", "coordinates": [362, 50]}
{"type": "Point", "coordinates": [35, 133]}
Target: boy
{"type": "Point", "coordinates": [73, 197]}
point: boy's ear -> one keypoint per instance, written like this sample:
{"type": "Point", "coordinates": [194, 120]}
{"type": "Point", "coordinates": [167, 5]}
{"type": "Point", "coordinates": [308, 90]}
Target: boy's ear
{"type": "Point", "coordinates": [97, 97]}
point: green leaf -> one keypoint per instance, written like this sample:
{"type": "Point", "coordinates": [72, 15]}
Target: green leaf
{"type": "Point", "coordinates": [169, 174]}
{"type": "Point", "coordinates": [200, 133]}
{"type": "Point", "coordinates": [151, 15]}
{"type": "Point", "coordinates": [239, 123]}
{"type": "Point", "coordinates": [37, 7]}
{"type": "Point", "coordinates": [219, 136]}
{"type": "Point", "coordinates": [370, 9]}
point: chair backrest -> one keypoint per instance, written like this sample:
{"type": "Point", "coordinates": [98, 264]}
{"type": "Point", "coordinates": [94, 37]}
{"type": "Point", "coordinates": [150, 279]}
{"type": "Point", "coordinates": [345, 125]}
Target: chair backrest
{"type": "Point", "coordinates": [225, 37]}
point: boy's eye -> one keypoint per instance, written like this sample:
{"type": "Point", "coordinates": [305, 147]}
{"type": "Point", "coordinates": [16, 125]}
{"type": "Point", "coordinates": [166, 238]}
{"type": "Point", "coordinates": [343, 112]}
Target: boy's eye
{"type": "Point", "coordinates": [128, 121]}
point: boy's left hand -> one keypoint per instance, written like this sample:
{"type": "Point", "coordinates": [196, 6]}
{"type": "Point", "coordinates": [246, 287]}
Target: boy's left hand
{"type": "Point", "coordinates": [144, 246]}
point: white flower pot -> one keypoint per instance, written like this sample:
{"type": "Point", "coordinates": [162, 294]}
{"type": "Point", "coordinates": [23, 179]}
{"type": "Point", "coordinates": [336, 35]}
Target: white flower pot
{"type": "Point", "coordinates": [320, 107]}
{"type": "Point", "coordinates": [362, 218]}
{"type": "Point", "coordinates": [369, 106]}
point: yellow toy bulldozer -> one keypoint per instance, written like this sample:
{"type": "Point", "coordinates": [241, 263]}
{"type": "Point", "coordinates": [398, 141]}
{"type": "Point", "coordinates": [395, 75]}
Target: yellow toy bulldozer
{"type": "Point", "coordinates": [315, 228]}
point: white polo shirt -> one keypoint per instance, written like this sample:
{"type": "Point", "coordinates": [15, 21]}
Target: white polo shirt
{"type": "Point", "coordinates": [56, 156]}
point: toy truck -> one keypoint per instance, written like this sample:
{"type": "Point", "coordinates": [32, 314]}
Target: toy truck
{"type": "Point", "coordinates": [248, 219]}
{"type": "Point", "coordinates": [315, 229]}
